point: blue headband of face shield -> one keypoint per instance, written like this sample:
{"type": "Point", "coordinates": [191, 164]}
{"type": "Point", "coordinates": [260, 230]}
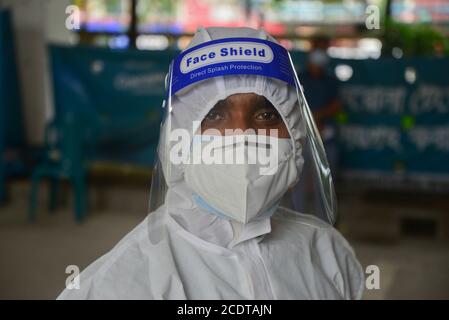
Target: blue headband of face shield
{"type": "Point", "coordinates": [230, 56]}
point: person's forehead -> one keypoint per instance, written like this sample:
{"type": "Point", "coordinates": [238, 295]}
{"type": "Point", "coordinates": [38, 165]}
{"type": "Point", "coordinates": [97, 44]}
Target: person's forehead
{"type": "Point", "coordinates": [244, 98]}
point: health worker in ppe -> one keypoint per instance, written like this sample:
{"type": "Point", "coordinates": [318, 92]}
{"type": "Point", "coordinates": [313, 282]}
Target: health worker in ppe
{"type": "Point", "coordinates": [220, 225]}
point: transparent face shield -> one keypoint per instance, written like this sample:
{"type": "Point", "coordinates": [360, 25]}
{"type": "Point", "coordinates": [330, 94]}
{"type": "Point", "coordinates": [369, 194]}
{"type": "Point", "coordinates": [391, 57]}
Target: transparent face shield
{"type": "Point", "coordinates": [230, 74]}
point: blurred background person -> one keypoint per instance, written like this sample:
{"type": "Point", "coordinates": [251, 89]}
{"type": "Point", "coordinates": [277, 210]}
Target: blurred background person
{"type": "Point", "coordinates": [321, 91]}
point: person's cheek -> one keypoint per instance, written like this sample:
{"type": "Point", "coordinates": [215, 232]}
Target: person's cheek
{"type": "Point", "coordinates": [282, 131]}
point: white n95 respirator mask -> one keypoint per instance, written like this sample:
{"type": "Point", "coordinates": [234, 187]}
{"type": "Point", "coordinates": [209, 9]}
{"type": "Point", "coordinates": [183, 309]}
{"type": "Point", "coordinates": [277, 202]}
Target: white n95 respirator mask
{"type": "Point", "coordinates": [241, 177]}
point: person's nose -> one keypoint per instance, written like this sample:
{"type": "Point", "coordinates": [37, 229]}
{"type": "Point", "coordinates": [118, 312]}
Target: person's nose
{"type": "Point", "coordinates": [242, 122]}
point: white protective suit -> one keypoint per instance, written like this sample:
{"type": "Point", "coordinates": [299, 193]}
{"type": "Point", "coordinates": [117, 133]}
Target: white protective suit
{"type": "Point", "coordinates": [181, 251]}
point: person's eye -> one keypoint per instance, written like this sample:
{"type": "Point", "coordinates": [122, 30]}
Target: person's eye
{"type": "Point", "coordinates": [268, 116]}
{"type": "Point", "coordinates": [214, 116]}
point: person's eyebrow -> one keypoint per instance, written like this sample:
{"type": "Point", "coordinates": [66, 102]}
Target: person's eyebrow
{"type": "Point", "coordinates": [265, 103]}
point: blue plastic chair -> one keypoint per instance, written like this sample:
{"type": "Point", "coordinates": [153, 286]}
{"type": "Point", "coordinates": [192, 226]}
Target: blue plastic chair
{"type": "Point", "coordinates": [65, 158]}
